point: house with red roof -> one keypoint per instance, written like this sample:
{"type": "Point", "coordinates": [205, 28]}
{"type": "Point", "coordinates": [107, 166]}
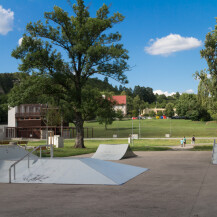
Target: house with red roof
{"type": "Point", "coordinates": [120, 103]}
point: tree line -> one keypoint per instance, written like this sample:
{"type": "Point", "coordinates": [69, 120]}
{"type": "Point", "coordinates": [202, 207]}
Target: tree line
{"type": "Point", "coordinates": [139, 98]}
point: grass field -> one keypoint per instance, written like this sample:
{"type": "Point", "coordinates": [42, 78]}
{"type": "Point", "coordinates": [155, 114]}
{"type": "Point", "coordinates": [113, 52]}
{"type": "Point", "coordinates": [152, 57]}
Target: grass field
{"type": "Point", "coordinates": [139, 145]}
{"type": "Point", "coordinates": [149, 129]}
{"type": "Point", "coordinates": [154, 128]}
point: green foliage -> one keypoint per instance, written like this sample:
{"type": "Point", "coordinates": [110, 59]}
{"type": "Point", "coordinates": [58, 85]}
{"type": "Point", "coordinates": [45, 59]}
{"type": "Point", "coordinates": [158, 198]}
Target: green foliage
{"type": "Point", "coordinates": [152, 114]}
{"type": "Point", "coordinates": [3, 108]}
{"type": "Point", "coordinates": [119, 114]}
{"type": "Point", "coordinates": [91, 48]}
{"type": "Point", "coordinates": [31, 89]}
{"type": "Point", "coordinates": [187, 102]}
{"type": "Point", "coordinates": [52, 116]}
{"type": "Point", "coordinates": [7, 81]}
{"type": "Point", "coordinates": [207, 89]}
{"type": "Point", "coordinates": [159, 113]}
{"type": "Point", "coordinates": [135, 105]}
{"type": "Point", "coordinates": [145, 93]}
{"type": "Point", "coordinates": [169, 112]}
{"type": "Point", "coordinates": [105, 113]}
{"type": "Point", "coordinates": [102, 85]}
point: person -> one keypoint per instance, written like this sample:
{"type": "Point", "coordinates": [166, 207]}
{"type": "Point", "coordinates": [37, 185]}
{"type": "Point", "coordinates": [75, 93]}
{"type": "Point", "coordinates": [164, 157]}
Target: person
{"type": "Point", "coordinates": [181, 142]}
{"type": "Point", "coordinates": [193, 140]}
{"type": "Point", "coordinates": [184, 141]}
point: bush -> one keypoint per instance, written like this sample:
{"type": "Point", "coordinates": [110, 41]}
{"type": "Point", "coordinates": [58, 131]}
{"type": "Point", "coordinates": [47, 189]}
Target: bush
{"type": "Point", "coordinates": [198, 115]}
{"type": "Point", "coordinates": [119, 114]}
{"type": "Point", "coordinates": [159, 113]}
{"type": "Point", "coordinates": [152, 114]}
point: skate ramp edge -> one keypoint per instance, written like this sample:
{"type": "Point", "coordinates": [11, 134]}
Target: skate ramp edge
{"type": "Point", "coordinates": [214, 153]}
{"type": "Point", "coordinates": [113, 152]}
{"type": "Point", "coordinates": [14, 152]}
{"type": "Point", "coordinates": [78, 171]}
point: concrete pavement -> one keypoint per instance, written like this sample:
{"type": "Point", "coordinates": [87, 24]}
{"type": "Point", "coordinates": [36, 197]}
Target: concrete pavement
{"type": "Point", "coordinates": [179, 184]}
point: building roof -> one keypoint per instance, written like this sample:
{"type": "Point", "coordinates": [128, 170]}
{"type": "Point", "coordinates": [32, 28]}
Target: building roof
{"type": "Point", "coordinates": [120, 100]}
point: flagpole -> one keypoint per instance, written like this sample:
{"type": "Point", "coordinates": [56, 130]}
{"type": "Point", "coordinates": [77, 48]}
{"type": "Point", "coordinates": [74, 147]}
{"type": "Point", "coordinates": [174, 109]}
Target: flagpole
{"type": "Point", "coordinates": [132, 131]}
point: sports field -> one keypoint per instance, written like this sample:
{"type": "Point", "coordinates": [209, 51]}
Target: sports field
{"type": "Point", "coordinates": [154, 128]}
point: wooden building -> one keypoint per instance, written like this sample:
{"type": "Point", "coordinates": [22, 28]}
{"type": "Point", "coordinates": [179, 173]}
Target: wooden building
{"type": "Point", "coordinates": [29, 121]}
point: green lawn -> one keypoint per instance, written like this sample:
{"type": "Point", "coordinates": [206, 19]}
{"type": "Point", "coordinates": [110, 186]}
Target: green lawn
{"type": "Point", "coordinates": [92, 145]}
{"type": "Point", "coordinates": [153, 128]}
{"type": "Point", "coordinates": [138, 145]}
{"type": "Point", "coordinates": [149, 129]}
{"type": "Point", "coordinates": [203, 148]}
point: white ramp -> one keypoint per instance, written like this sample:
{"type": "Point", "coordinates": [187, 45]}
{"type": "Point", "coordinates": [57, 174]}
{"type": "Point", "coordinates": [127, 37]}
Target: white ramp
{"type": "Point", "coordinates": [20, 168]}
{"type": "Point", "coordinates": [13, 152]}
{"type": "Point", "coordinates": [63, 171]}
{"type": "Point", "coordinates": [9, 154]}
{"type": "Point", "coordinates": [113, 152]}
{"type": "Point", "coordinates": [214, 153]}
{"type": "Point", "coordinates": [78, 171]}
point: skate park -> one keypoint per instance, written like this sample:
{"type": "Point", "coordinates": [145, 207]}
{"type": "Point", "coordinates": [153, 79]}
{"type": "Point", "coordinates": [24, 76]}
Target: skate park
{"type": "Point", "coordinates": [178, 183]}
{"type": "Point", "coordinates": [108, 109]}
{"type": "Point", "coordinates": [28, 168]}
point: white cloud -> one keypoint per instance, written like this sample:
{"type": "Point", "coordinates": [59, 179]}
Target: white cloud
{"type": "Point", "coordinates": [20, 41]}
{"type": "Point", "coordinates": [170, 44]}
{"type": "Point", "coordinates": [189, 91]}
{"type": "Point", "coordinates": [209, 76]}
{"type": "Point", "coordinates": [6, 20]}
{"type": "Point", "coordinates": [160, 92]}
{"type": "Point", "coordinates": [166, 93]}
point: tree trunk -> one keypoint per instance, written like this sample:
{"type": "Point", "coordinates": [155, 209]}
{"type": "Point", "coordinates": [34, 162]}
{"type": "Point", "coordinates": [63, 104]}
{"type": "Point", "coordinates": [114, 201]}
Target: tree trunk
{"type": "Point", "coordinates": [79, 140]}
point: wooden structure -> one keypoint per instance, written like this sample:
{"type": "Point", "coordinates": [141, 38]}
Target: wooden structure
{"type": "Point", "coordinates": [30, 122]}
{"type": "Point", "coordinates": [35, 132]}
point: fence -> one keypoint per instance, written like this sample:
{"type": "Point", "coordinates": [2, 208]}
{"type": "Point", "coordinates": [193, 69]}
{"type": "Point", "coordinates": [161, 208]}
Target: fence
{"type": "Point", "coordinates": [40, 132]}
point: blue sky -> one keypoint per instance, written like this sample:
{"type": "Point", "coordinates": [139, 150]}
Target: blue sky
{"type": "Point", "coordinates": [163, 37]}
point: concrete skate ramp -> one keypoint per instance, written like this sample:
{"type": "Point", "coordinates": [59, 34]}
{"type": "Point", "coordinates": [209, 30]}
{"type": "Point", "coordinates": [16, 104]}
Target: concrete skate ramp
{"type": "Point", "coordinates": [214, 153]}
{"type": "Point", "coordinates": [78, 171]}
{"type": "Point", "coordinates": [13, 152]}
{"type": "Point", "coordinates": [113, 152]}
{"type": "Point", "coordinates": [5, 165]}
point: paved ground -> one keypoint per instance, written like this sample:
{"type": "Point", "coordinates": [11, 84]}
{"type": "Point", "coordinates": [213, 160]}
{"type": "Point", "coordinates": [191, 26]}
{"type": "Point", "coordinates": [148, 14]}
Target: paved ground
{"type": "Point", "coordinates": [179, 184]}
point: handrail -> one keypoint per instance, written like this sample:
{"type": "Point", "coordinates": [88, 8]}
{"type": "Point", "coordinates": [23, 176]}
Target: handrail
{"type": "Point", "coordinates": [14, 164]}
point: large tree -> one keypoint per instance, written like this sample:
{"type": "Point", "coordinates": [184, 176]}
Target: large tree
{"type": "Point", "coordinates": [187, 102]}
{"type": "Point", "coordinates": [169, 112]}
{"type": "Point", "coordinates": [69, 50]}
{"type": "Point", "coordinates": [207, 88]}
{"type": "Point", "coordinates": [145, 93]}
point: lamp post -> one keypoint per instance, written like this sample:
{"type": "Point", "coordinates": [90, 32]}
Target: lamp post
{"type": "Point", "coordinates": [139, 124]}
{"type": "Point", "coordinates": [132, 131]}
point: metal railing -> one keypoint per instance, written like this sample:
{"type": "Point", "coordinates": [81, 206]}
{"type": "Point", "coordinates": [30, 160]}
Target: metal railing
{"type": "Point", "coordinates": [27, 114]}
{"type": "Point", "coordinates": [27, 155]}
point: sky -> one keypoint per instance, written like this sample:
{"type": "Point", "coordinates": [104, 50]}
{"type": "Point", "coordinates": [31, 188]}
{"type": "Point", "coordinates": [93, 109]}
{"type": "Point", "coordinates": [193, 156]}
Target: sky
{"type": "Point", "coordinates": [163, 37]}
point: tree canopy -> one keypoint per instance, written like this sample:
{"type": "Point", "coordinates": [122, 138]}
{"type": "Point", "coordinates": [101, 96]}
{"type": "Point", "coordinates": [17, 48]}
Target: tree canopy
{"type": "Point", "coordinates": [207, 88]}
{"type": "Point", "coordinates": [68, 50]}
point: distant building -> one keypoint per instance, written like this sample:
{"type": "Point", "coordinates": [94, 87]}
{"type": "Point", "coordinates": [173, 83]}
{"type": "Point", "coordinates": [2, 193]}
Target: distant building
{"type": "Point", "coordinates": [120, 103]}
{"type": "Point", "coordinates": [156, 110]}
{"type": "Point", "coordinates": [28, 121]}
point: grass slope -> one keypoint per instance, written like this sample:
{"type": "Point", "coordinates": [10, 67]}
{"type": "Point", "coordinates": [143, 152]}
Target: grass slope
{"type": "Point", "coordinates": [154, 128]}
